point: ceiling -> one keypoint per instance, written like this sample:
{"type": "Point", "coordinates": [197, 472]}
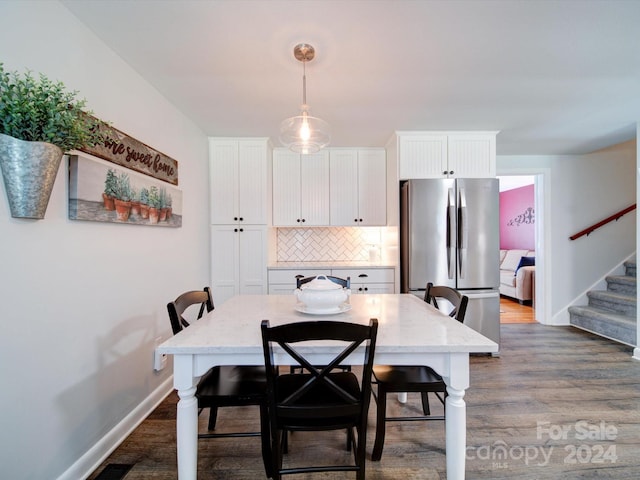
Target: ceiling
{"type": "Point", "coordinates": [553, 77]}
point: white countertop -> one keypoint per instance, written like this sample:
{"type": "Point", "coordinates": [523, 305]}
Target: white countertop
{"type": "Point", "coordinates": [325, 265]}
{"type": "Point", "coordinates": [406, 324]}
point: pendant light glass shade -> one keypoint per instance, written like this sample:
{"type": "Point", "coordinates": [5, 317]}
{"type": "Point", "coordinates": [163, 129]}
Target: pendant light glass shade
{"type": "Point", "coordinates": [304, 134]}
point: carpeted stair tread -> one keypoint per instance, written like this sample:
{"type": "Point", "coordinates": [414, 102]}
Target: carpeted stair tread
{"type": "Point", "coordinates": [621, 328]}
{"type": "Point", "coordinates": [617, 302]}
{"type": "Point", "coordinates": [622, 283]}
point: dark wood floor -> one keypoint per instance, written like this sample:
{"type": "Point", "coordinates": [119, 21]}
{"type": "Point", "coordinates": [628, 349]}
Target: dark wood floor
{"type": "Point", "coordinates": [557, 403]}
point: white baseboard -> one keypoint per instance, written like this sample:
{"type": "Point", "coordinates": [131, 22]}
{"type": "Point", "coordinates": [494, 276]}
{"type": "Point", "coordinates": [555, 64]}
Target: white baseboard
{"type": "Point", "coordinates": [97, 454]}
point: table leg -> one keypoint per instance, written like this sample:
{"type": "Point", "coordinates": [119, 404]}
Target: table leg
{"type": "Point", "coordinates": [456, 415]}
{"type": "Point", "coordinates": [456, 432]}
{"type": "Point", "coordinates": [187, 434]}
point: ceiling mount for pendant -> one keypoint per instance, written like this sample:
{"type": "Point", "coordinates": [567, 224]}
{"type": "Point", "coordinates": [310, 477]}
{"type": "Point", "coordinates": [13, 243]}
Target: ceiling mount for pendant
{"type": "Point", "coordinates": [304, 133]}
{"type": "Point", "coordinates": [304, 52]}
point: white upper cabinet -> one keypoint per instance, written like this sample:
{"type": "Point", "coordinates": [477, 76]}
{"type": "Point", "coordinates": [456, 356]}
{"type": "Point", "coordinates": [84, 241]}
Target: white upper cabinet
{"type": "Point", "coordinates": [238, 180]}
{"type": "Point", "coordinates": [423, 156]}
{"type": "Point", "coordinates": [358, 187]}
{"type": "Point", "coordinates": [300, 189]}
{"type": "Point", "coordinates": [472, 155]}
{"type": "Point", "coordinates": [447, 154]}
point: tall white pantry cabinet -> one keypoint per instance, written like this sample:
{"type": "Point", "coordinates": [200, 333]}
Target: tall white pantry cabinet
{"type": "Point", "coordinates": [238, 195]}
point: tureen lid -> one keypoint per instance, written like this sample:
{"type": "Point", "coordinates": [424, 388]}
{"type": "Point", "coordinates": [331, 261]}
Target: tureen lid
{"type": "Point", "coordinates": [321, 282]}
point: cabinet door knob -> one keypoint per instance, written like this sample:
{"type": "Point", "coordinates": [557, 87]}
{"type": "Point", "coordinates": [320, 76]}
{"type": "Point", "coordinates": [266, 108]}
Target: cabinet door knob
{"type": "Point", "coordinates": [450, 172]}
{"type": "Point", "coordinates": [360, 220]}
{"type": "Point", "coordinates": [298, 220]}
{"type": "Point", "coordinates": [242, 230]}
{"type": "Point", "coordinates": [445, 172]}
{"type": "Point", "coordinates": [241, 219]}
{"type": "Point", "coordinates": [235, 219]}
{"type": "Point", "coordinates": [235, 229]}
{"type": "Point", "coordinates": [304, 220]}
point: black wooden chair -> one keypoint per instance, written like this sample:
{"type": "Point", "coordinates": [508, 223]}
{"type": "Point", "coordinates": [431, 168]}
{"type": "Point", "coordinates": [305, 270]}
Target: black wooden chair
{"type": "Point", "coordinates": [414, 378]}
{"type": "Point", "coordinates": [224, 386]}
{"type": "Point", "coordinates": [323, 398]}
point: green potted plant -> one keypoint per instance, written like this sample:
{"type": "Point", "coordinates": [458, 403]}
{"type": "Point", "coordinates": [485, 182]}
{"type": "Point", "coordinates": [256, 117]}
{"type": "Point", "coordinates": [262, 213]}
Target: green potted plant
{"type": "Point", "coordinates": [123, 197]}
{"type": "Point", "coordinates": [154, 204]}
{"type": "Point", "coordinates": [39, 121]}
{"type": "Point", "coordinates": [110, 187]}
{"type": "Point", "coordinates": [169, 206]}
{"type": "Point", "coordinates": [135, 202]}
{"type": "Point", "coordinates": [163, 205]}
{"type": "Point", "coordinates": [144, 203]}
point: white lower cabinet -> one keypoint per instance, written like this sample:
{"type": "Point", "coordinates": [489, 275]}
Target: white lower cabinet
{"type": "Point", "coordinates": [238, 261]}
{"type": "Point", "coordinates": [364, 280]}
{"type": "Point", "coordinates": [368, 280]}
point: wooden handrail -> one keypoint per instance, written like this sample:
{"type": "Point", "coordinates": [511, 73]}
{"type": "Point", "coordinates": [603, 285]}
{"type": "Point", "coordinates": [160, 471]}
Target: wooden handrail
{"type": "Point", "coordinates": [595, 226]}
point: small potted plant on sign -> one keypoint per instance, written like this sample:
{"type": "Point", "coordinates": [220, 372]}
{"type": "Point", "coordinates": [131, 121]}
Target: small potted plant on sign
{"type": "Point", "coordinates": [163, 205]}
{"type": "Point", "coordinates": [39, 121]}
{"type": "Point", "coordinates": [110, 187]}
{"type": "Point", "coordinates": [123, 198]}
{"type": "Point", "coordinates": [144, 203]}
{"type": "Point", "coordinates": [135, 202]}
{"type": "Point", "coordinates": [169, 206]}
{"type": "Point", "coordinates": [154, 205]}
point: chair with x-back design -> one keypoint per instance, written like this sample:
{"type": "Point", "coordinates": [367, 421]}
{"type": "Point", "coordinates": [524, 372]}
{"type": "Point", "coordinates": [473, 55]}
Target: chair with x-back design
{"type": "Point", "coordinates": [322, 398]}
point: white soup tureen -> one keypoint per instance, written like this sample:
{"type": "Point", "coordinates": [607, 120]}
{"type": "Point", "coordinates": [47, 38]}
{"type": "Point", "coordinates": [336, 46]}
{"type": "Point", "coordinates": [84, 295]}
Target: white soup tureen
{"type": "Point", "coordinates": [321, 295]}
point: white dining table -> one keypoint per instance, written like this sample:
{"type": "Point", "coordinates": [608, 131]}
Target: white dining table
{"type": "Point", "coordinates": [410, 332]}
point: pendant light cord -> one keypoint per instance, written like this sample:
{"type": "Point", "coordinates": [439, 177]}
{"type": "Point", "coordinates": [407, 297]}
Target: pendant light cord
{"type": "Point", "coordinates": [304, 83]}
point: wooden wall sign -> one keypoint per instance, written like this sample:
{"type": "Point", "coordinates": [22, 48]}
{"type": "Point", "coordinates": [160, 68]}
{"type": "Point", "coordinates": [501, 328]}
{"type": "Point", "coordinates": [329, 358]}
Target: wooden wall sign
{"type": "Point", "coordinates": [126, 151]}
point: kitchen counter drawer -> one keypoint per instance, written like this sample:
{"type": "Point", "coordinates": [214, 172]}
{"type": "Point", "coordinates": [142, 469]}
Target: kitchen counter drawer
{"type": "Point", "coordinates": [366, 275]}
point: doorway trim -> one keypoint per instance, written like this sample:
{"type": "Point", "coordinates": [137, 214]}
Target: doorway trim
{"type": "Point", "coordinates": [543, 237]}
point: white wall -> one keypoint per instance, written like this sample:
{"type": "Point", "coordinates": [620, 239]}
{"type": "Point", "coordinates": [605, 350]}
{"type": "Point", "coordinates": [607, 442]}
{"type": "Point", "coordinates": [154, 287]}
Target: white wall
{"type": "Point", "coordinates": [83, 302]}
{"type": "Point", "coordinates": [583, 189]}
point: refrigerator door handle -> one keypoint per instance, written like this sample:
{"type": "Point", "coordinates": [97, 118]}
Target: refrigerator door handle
{"type": "Point", "coordinates": [463, 233]}
{"type": "Point", "coordinates": [451, 247]}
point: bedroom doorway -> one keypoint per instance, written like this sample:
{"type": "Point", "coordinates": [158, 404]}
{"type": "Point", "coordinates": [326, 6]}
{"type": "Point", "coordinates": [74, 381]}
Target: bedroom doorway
{"type": "Point", "coordinates": [517, 232]}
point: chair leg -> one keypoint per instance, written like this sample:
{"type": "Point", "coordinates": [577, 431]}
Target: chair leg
{"type": "Point", "coordinates": [425, 403]}
{"type": "Point", "coordinates": [361, 452]}
{"type": "Point", "coordinates": [381, 421]}
{"type": "Point", "coordinates": [276, 454]}
{"type": "Point", "coordinates": [213, 417]}
{"type": "Point", "coordinates": [265, 438]}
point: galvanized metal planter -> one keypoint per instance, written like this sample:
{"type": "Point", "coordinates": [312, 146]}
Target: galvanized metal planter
{"type": "Point", "coordinates": [29, 170]}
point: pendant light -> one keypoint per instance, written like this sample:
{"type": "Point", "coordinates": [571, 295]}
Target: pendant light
{"type": "Point", "coordinates": [304, 133]}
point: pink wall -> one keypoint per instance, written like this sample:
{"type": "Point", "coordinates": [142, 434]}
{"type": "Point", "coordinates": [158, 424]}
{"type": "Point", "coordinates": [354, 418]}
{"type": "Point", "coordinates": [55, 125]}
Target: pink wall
{"type": "Point", "coordinates": [517, 218]}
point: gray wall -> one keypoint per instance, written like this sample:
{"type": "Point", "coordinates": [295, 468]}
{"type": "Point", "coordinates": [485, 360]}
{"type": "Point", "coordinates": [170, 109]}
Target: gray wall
{"type": "Point", "coordinates": [82, 302]}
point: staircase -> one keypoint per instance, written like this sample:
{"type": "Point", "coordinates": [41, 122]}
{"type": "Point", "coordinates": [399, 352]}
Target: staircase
{"type": "Point", "coordinates": [611, 313]}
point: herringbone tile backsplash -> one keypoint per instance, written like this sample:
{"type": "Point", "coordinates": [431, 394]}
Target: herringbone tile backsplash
{"type": "Point", "coordinates": [335, 244]}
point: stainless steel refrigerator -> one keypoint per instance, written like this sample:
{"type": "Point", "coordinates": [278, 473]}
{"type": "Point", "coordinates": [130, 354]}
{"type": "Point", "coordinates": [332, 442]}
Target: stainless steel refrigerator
{"type": "Point", "coordinates": [449, 235]}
